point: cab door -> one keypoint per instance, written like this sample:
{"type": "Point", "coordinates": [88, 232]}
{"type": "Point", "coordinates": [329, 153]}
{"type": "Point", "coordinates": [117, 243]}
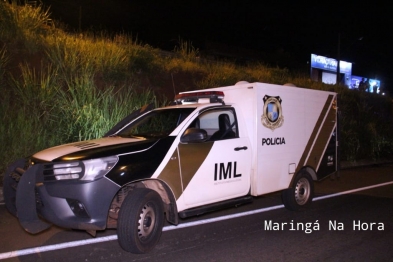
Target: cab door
{"type": "Point", "coordinates": [218, 168]}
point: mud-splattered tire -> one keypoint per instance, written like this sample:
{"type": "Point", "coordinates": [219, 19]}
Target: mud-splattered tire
{"type": "Point", "coordinates": [300, 195]}
{"type": "Point", "coordinates": [141, 219]}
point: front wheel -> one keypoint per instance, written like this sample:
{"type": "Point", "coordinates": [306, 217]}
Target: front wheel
{"type": "Point", "coordinates": [300, 194]}
{"type": "Point", "coordinates": [141, 219]}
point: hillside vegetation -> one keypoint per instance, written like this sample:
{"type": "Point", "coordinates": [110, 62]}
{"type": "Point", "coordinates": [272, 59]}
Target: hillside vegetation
{"type": "Point", "coordinates": [58, 87]}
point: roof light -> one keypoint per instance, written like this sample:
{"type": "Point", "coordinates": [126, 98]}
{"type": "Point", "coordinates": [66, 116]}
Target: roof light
{"type": "Point", "coordinates": [200, 97]}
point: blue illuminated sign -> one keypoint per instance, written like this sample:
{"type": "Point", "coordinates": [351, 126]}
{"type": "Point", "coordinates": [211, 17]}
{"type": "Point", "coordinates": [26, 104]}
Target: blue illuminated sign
{"type": "Point", "coordinates": [330, 64]}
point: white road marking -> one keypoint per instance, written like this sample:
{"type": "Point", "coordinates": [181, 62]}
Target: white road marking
{"type": "Point", "coordinates": [29, 251]}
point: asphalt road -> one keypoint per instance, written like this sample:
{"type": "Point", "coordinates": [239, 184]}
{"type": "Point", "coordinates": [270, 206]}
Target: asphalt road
{"type": "Point", "coordinates": [356, 225]}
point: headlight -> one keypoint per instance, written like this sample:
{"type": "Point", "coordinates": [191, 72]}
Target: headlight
{"type": "Point", "coordinates": [65, 171]}
{"type": "Point", "coordinates": [87, 170]}
{"type": "Point", "coordinates": [99, 167]}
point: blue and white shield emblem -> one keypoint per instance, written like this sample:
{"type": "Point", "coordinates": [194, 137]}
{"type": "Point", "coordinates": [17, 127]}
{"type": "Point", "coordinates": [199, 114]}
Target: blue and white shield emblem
{"type": "Point", "coordinates": [272, 116]}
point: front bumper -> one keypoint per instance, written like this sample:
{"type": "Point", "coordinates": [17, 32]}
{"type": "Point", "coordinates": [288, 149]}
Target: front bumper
{"type": "Point", "coordinates": [69, 204]}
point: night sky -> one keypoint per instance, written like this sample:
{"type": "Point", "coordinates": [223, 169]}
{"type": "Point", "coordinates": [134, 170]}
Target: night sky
{"type": "Point", "coordinates": [269, 27]}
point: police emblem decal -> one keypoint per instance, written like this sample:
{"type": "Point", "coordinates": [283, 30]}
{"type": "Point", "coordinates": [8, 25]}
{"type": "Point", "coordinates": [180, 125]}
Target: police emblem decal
{"type": "Point", "coordinates": [272, 112]}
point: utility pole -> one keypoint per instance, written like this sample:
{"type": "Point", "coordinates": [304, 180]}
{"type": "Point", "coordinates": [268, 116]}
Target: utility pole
{"type": "Point", "coordinates": [338, 60]}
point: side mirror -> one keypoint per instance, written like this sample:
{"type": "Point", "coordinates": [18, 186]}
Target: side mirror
{"type": "Point", "coordinates": [194, 135]}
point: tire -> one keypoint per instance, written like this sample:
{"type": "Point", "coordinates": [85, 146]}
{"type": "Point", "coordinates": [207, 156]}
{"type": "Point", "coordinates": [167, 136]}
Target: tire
{"type": "Point", "coordinates": [300, 195]}
{"type": "Point", "coordinates": [140, 222]}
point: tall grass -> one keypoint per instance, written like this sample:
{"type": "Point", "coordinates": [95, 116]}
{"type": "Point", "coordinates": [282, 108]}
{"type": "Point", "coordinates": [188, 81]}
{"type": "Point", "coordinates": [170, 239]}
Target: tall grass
{"type": "Point", "coordinates": [186, 50]}
{"type": "Point", "coordinates": [87, 112]}
{"type": "Point", "coordinates": [38, 112]}
{"type": "Point", "coordinates": [25, 122]}
{"type": "Point", "coordinates": [4, 60]}
{"type": "Point", "coordinates": [36, 90]}
{"type": "Point", "coordinates": [24, 24]}
{"type": "Point", "coordinates": [69, 94]}
{"type": "Point", "coordinates": [80, 54]}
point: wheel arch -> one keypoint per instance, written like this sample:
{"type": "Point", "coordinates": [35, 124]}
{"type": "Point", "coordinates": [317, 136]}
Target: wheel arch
{"type": "Point", "coordinates": [306, 169]}
{"type": "Point", "coordinates": [311, 171]}
{"type": "Point", "coordinates": [167, 197]}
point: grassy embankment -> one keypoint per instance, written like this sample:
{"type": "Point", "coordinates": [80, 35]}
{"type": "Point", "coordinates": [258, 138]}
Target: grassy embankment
{"type": "Point", "coordinates": [58, 87]}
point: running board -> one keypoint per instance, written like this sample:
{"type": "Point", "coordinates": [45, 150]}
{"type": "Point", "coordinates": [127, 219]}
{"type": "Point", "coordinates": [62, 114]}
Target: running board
{"type": "Point", "coordinates": [216, 206]}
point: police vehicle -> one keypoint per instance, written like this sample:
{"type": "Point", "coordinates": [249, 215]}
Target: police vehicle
{"type": "Point", "coordinates": [211, 149]}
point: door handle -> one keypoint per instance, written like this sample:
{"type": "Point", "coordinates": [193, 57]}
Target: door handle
{"type": "Point", "coordinates": [240, 148]}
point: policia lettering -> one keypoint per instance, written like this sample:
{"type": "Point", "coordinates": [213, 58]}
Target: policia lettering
{"type": "Point", "coordinates": [225, 172]}
{"type": "Point", "coordinates": [273, 141]}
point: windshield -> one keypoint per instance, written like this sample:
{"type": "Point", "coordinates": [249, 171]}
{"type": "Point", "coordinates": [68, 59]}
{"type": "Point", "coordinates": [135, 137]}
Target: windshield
{"type": "Point", "coordinates": [156, 124]}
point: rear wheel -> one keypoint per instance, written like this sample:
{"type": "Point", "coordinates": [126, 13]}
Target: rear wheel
{"type": "Point", "coordinates": [300, 194]}
{"type": "Point", "coordinates": [141, 218]}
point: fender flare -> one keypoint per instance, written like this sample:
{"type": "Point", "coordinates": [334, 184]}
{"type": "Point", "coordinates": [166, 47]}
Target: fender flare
{"type": "Point", "coordinates": [168, 198]}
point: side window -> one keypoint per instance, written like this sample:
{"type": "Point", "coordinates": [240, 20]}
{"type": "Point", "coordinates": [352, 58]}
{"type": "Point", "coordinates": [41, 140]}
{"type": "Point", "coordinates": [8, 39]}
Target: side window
{"type": "Point", "coordinates": [219, 124]}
